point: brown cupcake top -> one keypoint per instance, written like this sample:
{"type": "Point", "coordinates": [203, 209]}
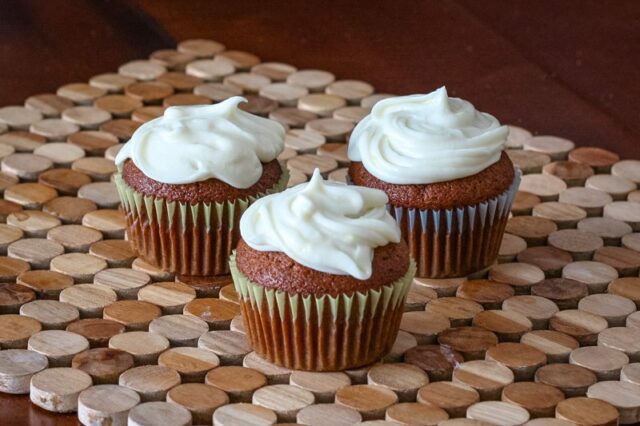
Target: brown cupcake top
{"type": "Point", "coordinates": [469, 190]}
{"type": "Point", "coordinates": [278, 271]}
{"type": "Point", "coordinates": [207, 191]}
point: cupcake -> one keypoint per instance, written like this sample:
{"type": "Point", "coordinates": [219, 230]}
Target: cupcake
{"type": "Point", "coordinates": [449, 182]}
{"type": "Point", "coordinates": [323, 273]}
{"type": "Point", "coordinates": [186, 177]}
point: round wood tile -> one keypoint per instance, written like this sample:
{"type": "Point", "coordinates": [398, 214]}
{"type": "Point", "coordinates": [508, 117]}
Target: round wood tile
{"type": "Point", "coordinates": [57, 389]}
{"type": "Point", "coordinates": [498, 413]}
{"type": "Point", "coordinates": [616, 186]}
{"type": "Point", "coordinates": [598, 158]}
{"type": "Point", "coordinates": [538, 399]}
{"type": "Point", "coordinates": [546, 187]}
{"type": "Point", "coordinates": [152, 382]}
{"type": "Point", "coordinates": [443, 287]}
{"type": "Point", "coordinates": [323, 385]}
{"type": "Point", "coordinates": [519, 275]}
{"type": "Point", "coordinates": [13, 297]}
{"type": "Point", "coordinates": [415, 413]}
{"type": "Point", "coordinates": [520, 358]}
{"type": "Point", "coordinates": [280, 375]}
{"type": "Point", "coordinates": [97, 331]}
{"type": "Point", "coordinates": [171, 297]}
{"type": "Point", "coordinates": [58, 346]}
{"type": "Point", "coordinates": [30, 195]}
{"type": "Point", "coordinates": [436, 360]}
{"type": "Point", "coordinates": [624, 339]}
{"type": "Point", "coordinates": [563, 292]}
{"type": "Point", "coordinates": [488, 378]}
{"type": "Point", "coordinates": [424, 326]}
{"type": "Point", "coordinates": [133, 314]}
{"type": "Point", "coordinates": [53, 315]}
{"type": "Point", "coordinates": [610, 230]}
{"type": "Point", "coordinates": [581, 325]}
{"type": "Point", "coordinates": [110, 222]}
{"type": "Point", "coordinates": [26, 166]}
{"type": "Point", "coordinates": [38, 252]}
{"type": "Point", "coordinates": [48, 104]}
{"type": "Point", "coordinates": [628, 169]}
{"type": "Point", "coordinates": [180, 330]}
{"type": "Point", "coordinates": [314, 80]}
{"type": "Point", "coordinates": [507, 325]}
{"type": "Point", "coordinates": [201, 400]}
{"type": "Point", "coordinates": [80, 266]}
{"type": "Point", "coordinates": [328, 414]}
{"type": "Point", "coordinates": [230, 346]}
{"type": "Point", "coordinates": [106, 404]}
{"type": "Point", "coordinates": [403, 379]}
{"type": "Point", "coordinates": [625, 261]}
{"type": "Point", "coordinates": [555, 345]}
{"type": "Point", "coordinates": [216, 312]}
{"type": "Point", "coordinates": [510, 247]}
{"type": "Point", "coordinates": [111, 82]}
{"type": "Point", "coordinates": [605, 362]}
{"type": "Point", "coordinates": [191, 363]}
{"type": "Point", "coordinates": [489, 294]}
{"type": "Point", "coordinates": [124, 281]}
{"type": "Point", "coordinates": [158, 412]}
{"type": "Point", "coordinates": [74, 238]}
{"type": "Point", "coordinates": [572, 380]}
{"type": "Point", "coordinates": [573, 173]}
{"type": "Point", "coordinates": [370, 401]}
{"type": "Point", "coordinates": [595, 275]}
{"type": "Point", "coordinates": [80, 93]}
{"type": "Point", "coordinates": [102, 364]}
{"type": "Point", "coordinates": [142, 70]}
{"type": "Point", "coordinates": [590, 200]}
{"type": "Point", "coordinates": [285, 400]}
{"type": "Point", "coordinates": [238, 382]}
{"type": "Point", "coordinates": [46, 284]}
{"type": "Point", "coordinates": [537, 309]}
{"type": "Point", "coordinates": [17, 367]}
{"type": "Point", "coordinates": [243, 413]}
{"type": "Point", "coordinates": [90, 299]}
{"type": "Point", "coordinates": [452, 397]}
{"type": "Point", "coordinates": [587, 411]}
{"type": "Point", "coordinates": [534, 230]}
{"type": "Point", "coordinates": [471, 342]}
{"type": "Point", "coordinates": [15, 331]}
{"type": "Point", "coordinates": [611, 307]}
{"type": "Point", "coordinates": [459, 311]}
{"type": "Point", "coordinates": [556, 147]}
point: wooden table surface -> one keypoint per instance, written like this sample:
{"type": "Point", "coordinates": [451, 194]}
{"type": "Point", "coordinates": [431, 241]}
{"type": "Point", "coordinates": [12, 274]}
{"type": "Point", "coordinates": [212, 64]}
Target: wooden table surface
{"type": "Point", "coordinates": [567, 68]}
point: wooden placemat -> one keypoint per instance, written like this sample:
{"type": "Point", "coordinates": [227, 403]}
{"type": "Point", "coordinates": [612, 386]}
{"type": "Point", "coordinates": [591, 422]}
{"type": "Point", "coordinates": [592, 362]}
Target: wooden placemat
{"type": "Point", "coordinates": [551, 330]}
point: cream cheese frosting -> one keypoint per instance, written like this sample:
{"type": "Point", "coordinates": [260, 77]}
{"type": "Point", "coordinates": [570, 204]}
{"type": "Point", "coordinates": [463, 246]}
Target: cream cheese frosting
{"type": "Point", "coordinates": [193, 143]}
{"type": "Point", "coordinates": [422, 139]}
{"type": "Point", "coordinates": [326, 226]}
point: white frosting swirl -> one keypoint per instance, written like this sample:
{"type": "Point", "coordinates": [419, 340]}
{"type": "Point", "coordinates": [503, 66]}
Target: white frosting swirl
{"type": "Point", "coordinates": [194, 143]}
{"type": "Point", "coordinates": [421, 139]}
{"type": "Point", "coordinates": [326, 226]}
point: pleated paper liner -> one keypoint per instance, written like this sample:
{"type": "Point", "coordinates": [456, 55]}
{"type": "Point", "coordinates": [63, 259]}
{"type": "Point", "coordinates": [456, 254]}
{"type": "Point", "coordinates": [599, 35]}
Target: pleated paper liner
{"type": "Point", "coordinates": [456, 242]}
{"type": "Point", "coordinates": [186, 239]}
{"type": "Point", "coordinates": [321, 333]}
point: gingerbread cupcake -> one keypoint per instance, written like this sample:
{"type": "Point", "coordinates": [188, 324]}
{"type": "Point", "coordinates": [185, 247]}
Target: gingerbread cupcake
{"type": "Point", "coordinates": [322, 273]}
{"type": "Point", "coordinates": [186, 177]}
{"type": "Point", "coordinates": [449, 183]}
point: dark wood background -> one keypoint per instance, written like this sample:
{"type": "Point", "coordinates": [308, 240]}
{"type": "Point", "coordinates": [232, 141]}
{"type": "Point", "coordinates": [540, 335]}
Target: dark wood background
{"type": "Point", "coordinates": [564, 67]}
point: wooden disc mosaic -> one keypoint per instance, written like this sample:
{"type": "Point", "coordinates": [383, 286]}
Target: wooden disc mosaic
{"type": "Point", "coordinates": [547, 335]}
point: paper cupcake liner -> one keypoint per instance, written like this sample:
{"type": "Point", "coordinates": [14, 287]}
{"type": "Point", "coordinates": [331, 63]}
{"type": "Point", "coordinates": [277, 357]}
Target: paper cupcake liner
{"type": "Point", "coordinates": [321, 333]}
{"type": "Point", "coordinates": [449, 243]}
{"type": "Point", "coordinates": [183, 238]}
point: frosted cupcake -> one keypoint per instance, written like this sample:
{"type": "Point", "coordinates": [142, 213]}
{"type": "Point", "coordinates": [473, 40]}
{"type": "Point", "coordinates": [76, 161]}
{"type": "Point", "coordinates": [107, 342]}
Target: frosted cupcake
{"type": "Point", "coordinates": [449, 183]}
{"type": "Point", "coordinates": [323, 274]}
{"type": "Point", "coordinates": [186, 177]}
